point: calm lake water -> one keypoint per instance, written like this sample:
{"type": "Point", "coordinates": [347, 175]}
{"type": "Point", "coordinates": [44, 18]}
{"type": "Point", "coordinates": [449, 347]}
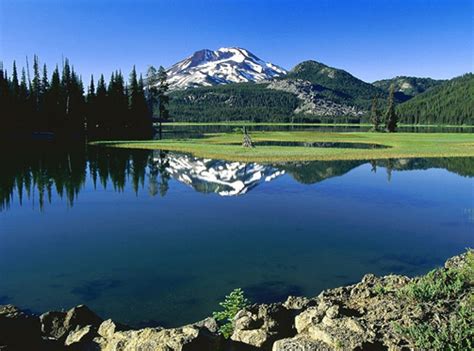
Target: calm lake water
{"type": "Point", "coordinates": [157, 238]}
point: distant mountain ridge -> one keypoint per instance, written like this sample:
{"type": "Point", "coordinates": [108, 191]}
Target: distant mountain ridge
{"type": "Point", "coordinates": [224, 89]}
{"type": "Point", "coordinates": [223, 66]}
{"type": "Point", "coordinates": [407, 87]}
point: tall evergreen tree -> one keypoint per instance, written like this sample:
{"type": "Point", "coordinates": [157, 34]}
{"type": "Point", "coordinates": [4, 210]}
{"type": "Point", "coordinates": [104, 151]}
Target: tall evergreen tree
{"type": "Point", "coordinates": [102, 116]}
{"type": "Point", "coordinates": [36, 85]}
{"type": "Point", "coordinates": [163, 99]}
{"type": "Point", "coordinates": [54, 102]}
{"type": "Point", "coordinates": [151, 90]}
{"type": "Point", "coordinates": [5, 106]}
{"type": "Point", "coordinates": [43, 100]}
{"type": "Point", "coordinates": [391, 118]}
{"type": "Point", "coordinates": [91, 107]}
{"type": "Point", "coordinates": [23, 102]}
{"type": "Point", "coordinates": [375, 115]}
{"type": "Point", "coordinates": [145, 123]}
{"type": "Point", "coordinates": [15, 85]}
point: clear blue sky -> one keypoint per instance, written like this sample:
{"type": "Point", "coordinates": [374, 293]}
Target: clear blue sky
{"type": "Point", "coordinates": [372, 39]}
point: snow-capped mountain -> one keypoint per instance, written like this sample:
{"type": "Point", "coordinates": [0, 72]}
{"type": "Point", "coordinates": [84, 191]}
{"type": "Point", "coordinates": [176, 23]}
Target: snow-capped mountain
{"type": "Point", "coordinates": [226, 65]}
{"type": "Point", "coordinates": [217, 176]}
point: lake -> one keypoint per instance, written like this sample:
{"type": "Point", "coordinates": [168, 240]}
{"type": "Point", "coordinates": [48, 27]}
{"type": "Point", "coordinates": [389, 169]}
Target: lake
{"type": "Point", "coordinates": [158, 238]}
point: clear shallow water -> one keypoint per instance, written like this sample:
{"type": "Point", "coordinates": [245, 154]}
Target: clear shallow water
{"type": "Point", "coordinates": [151, 238]}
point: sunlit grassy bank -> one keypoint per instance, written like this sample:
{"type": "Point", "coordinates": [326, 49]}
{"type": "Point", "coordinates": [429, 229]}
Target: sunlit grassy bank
{"type": "Point", "coordinates": [401, 145]}
{"type": "Point", "coordinates": [276, 124]}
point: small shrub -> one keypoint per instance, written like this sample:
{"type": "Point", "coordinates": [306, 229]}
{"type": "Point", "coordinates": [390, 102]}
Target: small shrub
{"type": "Point", "coordinates": [232, 304]}
{"type": "Point", "coordinates": [441, 284]}
{"type": "Point", "coordinates": [456, 334]}
{"type": "Point", "coordinates": [381, 289]}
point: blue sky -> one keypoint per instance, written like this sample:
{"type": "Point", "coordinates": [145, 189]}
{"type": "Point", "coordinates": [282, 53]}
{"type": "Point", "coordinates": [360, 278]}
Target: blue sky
{"type": "Point", "coordinates": [372, 39]}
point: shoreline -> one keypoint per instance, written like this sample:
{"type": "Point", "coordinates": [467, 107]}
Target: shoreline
{"type": "Point", "coordinates": [378, 313]}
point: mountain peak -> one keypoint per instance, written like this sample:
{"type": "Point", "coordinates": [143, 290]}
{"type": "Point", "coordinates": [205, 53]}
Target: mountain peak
{"type": "Point", "coordinates": [225, 65]}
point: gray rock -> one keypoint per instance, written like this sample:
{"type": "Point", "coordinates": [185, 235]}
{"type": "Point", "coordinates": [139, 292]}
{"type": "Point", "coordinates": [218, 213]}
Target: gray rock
{"type": "Point", "coordinates": [198, 336]}
{"type": "Point", "coordinates": [300, 343]}
{"type": "Point", "coordinates": [311, 101]}
{"type": "Point", "coordinates": [261, 325]}
{"type": "Point", "coordinates": [58, 324]}
{"type": "Point", "coordinates": [81, 339]}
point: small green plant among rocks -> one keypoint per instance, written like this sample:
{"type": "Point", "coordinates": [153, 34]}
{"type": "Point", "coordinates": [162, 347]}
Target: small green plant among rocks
{"type": "Point", "coordinates": [232, 304]}
{"type": "Point", "coordinates": [437, 288]}
{"type": "Point", "coordinates": [456, 334]}
{"type": "Point", "coordinates": [441, 284]}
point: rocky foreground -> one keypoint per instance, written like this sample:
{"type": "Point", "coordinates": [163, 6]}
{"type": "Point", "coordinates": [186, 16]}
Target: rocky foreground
{"type": "Point", "coordinates": [431, 312]}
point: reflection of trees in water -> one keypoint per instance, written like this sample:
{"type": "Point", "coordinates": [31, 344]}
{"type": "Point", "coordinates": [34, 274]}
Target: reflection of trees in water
{"type": "Point", "coordinates": [39, 173]}
{"type": "Point", "coordinates": [311, 172]}
{"type": "Point", "coordinates": [158, 174]}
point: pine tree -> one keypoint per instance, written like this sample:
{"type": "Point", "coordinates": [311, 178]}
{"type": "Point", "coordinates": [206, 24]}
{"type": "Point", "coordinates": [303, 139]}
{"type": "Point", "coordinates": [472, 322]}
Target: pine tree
{"type": "Point", "coordinates": [391, 118]}
{"type": "Point", "coordinates": [75, 98]}
{"type": "Point", "coordinates": [54, 105]}
{"type": "Point", "coordinates": [163, 98]}
{"type": "Point", "coordinates": [134, 99]}
{"type": "Point", "coordinates": [145, 123]}
{"type": "Point", "coordinates": [91, 107]}
{"type": "Point", "coordinates": [151, 89]}
{"type": "Point", "coordinates": [43, 100]}
{"type": "Point", "coordinates": [15, 85]}
{"type": "Point", "coordinates": [101, 106]}
{"type": "Point", "coordinates": [375, 115]}
{"type": "Point", "coordinates": [36, 86]}
{"type": "Point", "coordinates": [5, 106]}
{"type": "Point", "coordinates": [23, 102]}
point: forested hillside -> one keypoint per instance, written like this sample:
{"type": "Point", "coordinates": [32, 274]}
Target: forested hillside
{"type": "Point", "coordinates": [339, 84]}
{"type": "Point", "coordinates": [243, 101]}
{"type": "Point", "coordinates": [407, 87]}
{"type": "Point", "coordinates": [448, 103]}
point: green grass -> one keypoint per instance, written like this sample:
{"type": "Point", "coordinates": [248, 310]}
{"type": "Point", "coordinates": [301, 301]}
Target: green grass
{"type": "Point", "coordinates": [401, 145]}
{"type": "Point", "coordinates": [309, 124]}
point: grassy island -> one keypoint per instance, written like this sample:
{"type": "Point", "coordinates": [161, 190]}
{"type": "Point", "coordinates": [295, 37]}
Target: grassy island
{"type": "Point", "coordinates": [389, 145]}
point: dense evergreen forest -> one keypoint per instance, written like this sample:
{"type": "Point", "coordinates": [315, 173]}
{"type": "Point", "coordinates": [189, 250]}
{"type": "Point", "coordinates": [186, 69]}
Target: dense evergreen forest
{"type": "Point", "coordinates": [407, 87]}
{"type": "Point", "coordinates": [448, 103]}
{"type": "Point", "coordinates": [232, 102]}
{"type": "Point", "coordinates": [57, 104]}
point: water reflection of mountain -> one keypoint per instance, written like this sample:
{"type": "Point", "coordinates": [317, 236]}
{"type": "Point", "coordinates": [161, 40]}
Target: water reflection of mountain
{"type": "Point", "coordinates": [217, 176]}
{"type": "Point", "coordinates": [39, 174]}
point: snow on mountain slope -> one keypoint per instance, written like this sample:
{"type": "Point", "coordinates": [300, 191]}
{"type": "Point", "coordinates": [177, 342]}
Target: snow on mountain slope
{"type": "Point", "coordinates": [226, 65]}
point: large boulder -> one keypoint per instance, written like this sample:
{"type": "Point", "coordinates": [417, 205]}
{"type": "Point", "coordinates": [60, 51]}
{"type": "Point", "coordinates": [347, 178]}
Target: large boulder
{"type": "Point", "coordinates": [18, 330]}
{"type": "Point", "coordinates": [58, 325]}
{"type": "Point", "coordinates": [261, 325]}
{"type": "Point", "coordinates": [81, 339]}
{"type": "Point", "coordinates": [199, 336]}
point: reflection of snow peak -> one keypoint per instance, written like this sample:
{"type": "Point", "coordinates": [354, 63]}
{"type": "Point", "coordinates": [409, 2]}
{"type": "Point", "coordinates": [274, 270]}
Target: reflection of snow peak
{"type": "Point", "coordinates": [221, 177]}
